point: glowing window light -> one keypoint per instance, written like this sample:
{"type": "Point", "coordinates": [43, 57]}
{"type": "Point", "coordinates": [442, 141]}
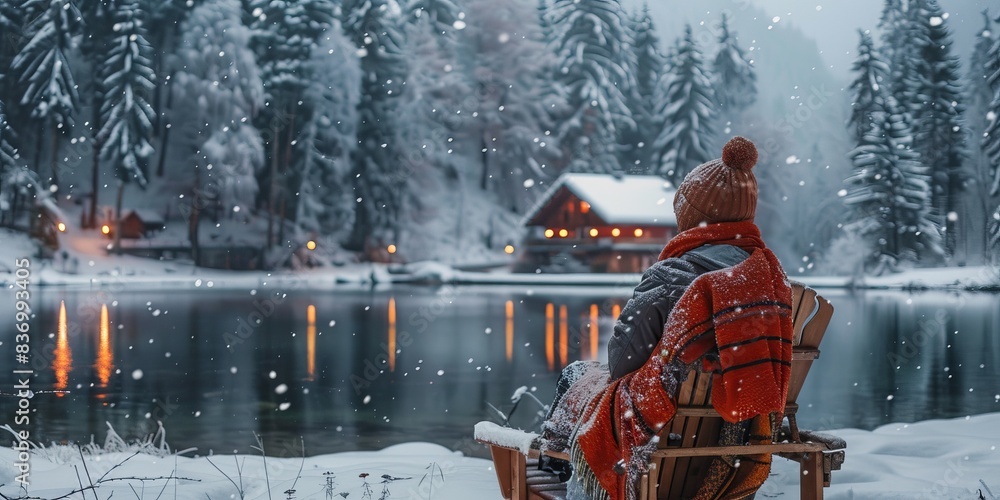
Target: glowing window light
{"type": "Point", "coordinates": [584, 207]}
{"type": "Point", "coordinates": [106, 229]}
{"type": "Point", "coordinates": [62, 227]}
{"type": "Point", "coordinates": [638, 232]}
{"type": "Point", "coordinates": [549, 233]}
{"type": "Point", "coordinates": [563, 233]}
{"type": "Point", "coordinates": [616, 232]}
{"type": "Point", "coordinates": [593, 233]}
{"type": "Point", "coordinates": [391, 249]}
{"type": "Point", "coordinates": [509, 249]}
{"type": "Point", "coordinates": [311, 245]}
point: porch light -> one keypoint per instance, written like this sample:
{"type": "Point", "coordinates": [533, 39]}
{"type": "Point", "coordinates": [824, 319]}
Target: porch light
{"type": "Point", "coordinates": [616, 232]}
{"type": "Point", "coordinates": [563, 233]}
{"type": "Point", "coordinates": [61, 227]}
{"type": "Point", "coordinates": [549, 233]}
{"type": "Point", "coordinates": [593, 233]}
{"type": "Point", "coordinates": [391, 249]}
{"type": "Point", "coordinates": [509, 249]}
{"type": "Point", "coordinates": [638, 232]}
{"type": "Point", "coordinates": [105, 229]}
{"type": "Point", "coordinates": [311, 245]}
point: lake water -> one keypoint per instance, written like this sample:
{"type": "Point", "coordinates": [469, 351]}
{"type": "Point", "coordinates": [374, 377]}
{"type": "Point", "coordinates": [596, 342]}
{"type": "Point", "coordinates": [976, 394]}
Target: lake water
{"type": "Point", "coordinates": [365, 369]}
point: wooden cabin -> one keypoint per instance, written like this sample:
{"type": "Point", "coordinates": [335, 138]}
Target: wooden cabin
{"type": "Point", "coordinates": [599, 223]}
{"type": "Point", "coordinates": [140, 223]}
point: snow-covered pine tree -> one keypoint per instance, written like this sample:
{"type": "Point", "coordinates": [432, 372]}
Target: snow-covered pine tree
{"type": "Point", "coordinates": [221, 94]}
{"type": "Point", "coordinates": [685, 110]}
{"type": "Point", "coordinates": [11, 24]}
{"type": "Point", "coordinates": [326, 204]}
{"type": "Point", "coordinates": [888, 193]}
{"type": "Point", "coordinates": [648, 66]}
{"type": "Point", "coordinates": [589, 40]}
{"type": "Point", "coordinates": [8, 154]}
{"type": "Point", "coordinates": [991, 137]}
{"type": "Point", "coordinates": [444, 17]}
{"type": "Point", "coordinates": [374, 26]}
{"type": "Point", "coordinates": [126, 115]}
{"type": "Point", "coordinates": [900, 25]}
{"type": "Point", "coordinates": [978, 94]}
{"type": "Point", "coordinates": [868, 88]}
{"type": "Point", "coordinates": [510, 70]}
{"type": "Point", "coordinates": [733, 78]}
{"type": "Point", "coordinates": [939, 128]}
{"type": "Point", "coordinates": [284, 35]}
{"type": "Point", "coordinates": [46, 76]}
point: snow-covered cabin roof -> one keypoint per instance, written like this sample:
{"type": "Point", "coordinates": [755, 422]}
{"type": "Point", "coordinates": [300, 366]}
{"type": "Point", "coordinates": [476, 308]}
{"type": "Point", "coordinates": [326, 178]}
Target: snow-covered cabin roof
{"type": "Point", "coordinates": [146, 216]}
{"type": "Point", "coordinates": [621, 199]}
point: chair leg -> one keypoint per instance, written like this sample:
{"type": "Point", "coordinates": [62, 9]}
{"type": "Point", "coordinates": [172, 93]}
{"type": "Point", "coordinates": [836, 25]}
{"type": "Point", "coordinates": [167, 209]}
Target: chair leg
{"type": "Point", "coordinates": [811, 480]}
{"type": "Point", "coordinates": [519, 477]}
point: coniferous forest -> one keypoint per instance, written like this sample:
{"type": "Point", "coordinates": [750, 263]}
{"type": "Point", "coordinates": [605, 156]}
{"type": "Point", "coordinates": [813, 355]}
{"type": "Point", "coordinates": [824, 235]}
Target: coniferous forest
{"type": "Point", "coordinates": [427, 128]}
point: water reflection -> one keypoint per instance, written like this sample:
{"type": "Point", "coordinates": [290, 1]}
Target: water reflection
{"type": "Point", "coordinates": [311, 343]}
{"type": "Point", "coordinates": [410, 365]}
{"type": "Point", "coordinates": [62, 362]}
{"type": "Point", "coordinates": [105, 357]}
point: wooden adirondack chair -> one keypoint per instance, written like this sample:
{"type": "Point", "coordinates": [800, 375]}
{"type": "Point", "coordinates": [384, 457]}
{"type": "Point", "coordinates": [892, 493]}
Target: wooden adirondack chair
{"type": "Point", "coordinates": [677, 467]}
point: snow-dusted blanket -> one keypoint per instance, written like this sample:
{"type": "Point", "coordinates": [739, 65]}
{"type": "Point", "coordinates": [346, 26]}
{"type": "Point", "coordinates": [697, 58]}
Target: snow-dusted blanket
{"type": "Point", "coordinates": [740, 315]}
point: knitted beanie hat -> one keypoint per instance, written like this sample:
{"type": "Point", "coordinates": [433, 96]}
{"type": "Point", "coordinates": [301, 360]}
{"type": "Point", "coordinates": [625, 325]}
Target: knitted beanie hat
{"type": "Point", "coordinates": [722, 190]}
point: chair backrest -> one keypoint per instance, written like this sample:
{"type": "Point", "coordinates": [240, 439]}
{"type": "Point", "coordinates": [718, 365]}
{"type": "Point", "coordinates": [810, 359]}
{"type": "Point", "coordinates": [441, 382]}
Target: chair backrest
{"type": "Point", "coordinates": [698, 424]}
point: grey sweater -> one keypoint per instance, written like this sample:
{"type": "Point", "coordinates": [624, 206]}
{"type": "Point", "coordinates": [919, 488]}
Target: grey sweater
{"type": "Point", "coordinates": [640, 325]}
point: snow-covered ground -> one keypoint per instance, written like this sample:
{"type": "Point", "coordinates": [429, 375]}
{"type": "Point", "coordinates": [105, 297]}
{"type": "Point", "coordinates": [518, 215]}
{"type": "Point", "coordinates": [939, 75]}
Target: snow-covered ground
{"type": "Point", "coordinates": [940, 459]}
{"type": "Point", "coordinates": [88, 264]}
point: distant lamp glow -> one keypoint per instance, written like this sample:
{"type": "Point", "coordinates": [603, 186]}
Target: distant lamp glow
{"type": "Point", "coordinates": [584, 207]}
{"type": "Point", "coordinates": [509, 249]}
{"type": "Point", "coordinates": [616, 232]}
{"type": "Point", "coordinates": [62, 227]}
{"type": "Point", "coordinates": [638, 232]}
{"type": "Point", "coordinates": [311, 245]}
{"type": "Point", "coordinates": [106, 229]}
{"type": "Point", "coordinates": [391, 248]}
{"type": "Point", "coordinates": [563, 233]}
{"type": "Point", "coordinates": [593, 233]}
{"type": "Point", "coordinates": [549, 233]}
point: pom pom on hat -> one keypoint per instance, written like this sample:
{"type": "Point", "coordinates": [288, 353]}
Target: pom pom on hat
{"type": "Point", "coordinates": [739, 153]}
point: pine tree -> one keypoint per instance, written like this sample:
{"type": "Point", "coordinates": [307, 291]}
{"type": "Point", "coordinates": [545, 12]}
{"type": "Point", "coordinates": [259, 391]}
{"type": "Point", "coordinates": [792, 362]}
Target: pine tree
{"type": "Point", "coordinates": [443, 16]}
{"type": "Point", "coordinates": [375, 28]}
{"type": "Point", "coordinates": [325, 202]}
{"type": "Point", "coordinates": [939, 125]}
{"type": "Point", "coordinates": [991, 137]}
{"type": "Point", "coordinates": [868, 88]}
{"type": "Point", "coordinates": [733, 78]}
{"type": "Point", "coordinates": [510, 71]}
{"type": "Point", "coordinates": [589, 42]}
{"type": "Point", "coordinates": [8, 154]}
{"type": "Point", "coordinates": [46, 76]}
{"type": "Point", "coordinates": [126, 115]}
{"type": "Point", "coordinates": [284, 35]}
{"type": "Point", "coordinates": [888, 192]}
{"type": "Point", "coordinates": [978, 94]}
{"type": "Point", "coordinates": [901, 25]}
{"type": "Point", "coordinates": [685, 110]}
{"type": "Point", "coordinates": [11, 24]}
{"type": "Point", "coordinates": [649, 63]}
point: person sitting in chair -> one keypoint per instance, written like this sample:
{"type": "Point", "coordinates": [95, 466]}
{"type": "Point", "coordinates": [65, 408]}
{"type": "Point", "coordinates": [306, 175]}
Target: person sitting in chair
{"type": "Point", "coordinates": [717, 296]}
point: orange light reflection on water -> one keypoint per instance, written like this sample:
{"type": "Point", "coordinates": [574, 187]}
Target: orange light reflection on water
{"type": "Point", "coordinates": [105, 357]}
{"type": "Point", "coordinates": [62, 363]}
{"type": "Point", "coordinates": [311, 342]}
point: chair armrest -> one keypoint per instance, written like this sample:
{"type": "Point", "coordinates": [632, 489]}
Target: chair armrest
{"type": "Point", "coordinates": [526, 443]}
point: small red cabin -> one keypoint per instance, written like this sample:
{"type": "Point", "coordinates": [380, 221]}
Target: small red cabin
{"type": "Point", "coordinates": [139, 223]}
{"type": "Point", "coordinates": [599, 223]}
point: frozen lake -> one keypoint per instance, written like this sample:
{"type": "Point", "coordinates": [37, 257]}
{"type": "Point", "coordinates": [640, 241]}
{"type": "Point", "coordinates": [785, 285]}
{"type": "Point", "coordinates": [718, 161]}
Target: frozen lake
{"type": "Point", "coordinates": [365, 369]}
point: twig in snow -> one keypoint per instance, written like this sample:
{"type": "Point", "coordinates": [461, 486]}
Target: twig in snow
{"type": "Point", "coordinates": [263, 456]}
{"type": "Point", "coordinates": [134, 492]}
{"type": "Point", "coordinates": [988, 492]}
{"type": "Point", "coordinates": [430, 475]}
{"type": "Point", "coordinates": [239, 489]}
{"type": "Point", "coordinates": [301, 464]}
{"type": "Point", "coordinates": [84, 461]}
{"type": "Point", "coordinates": [119, 464]}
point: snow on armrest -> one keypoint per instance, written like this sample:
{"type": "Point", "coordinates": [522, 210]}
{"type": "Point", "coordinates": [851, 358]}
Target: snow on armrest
{"type": "Point", "coordinates": [489, 432]}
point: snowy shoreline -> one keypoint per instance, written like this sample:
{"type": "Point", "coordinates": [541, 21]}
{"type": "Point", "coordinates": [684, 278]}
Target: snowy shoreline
{"type": "Point", "coordinates": [934, 459]}
{"type": "Point", "coordinates": [166, 276]}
